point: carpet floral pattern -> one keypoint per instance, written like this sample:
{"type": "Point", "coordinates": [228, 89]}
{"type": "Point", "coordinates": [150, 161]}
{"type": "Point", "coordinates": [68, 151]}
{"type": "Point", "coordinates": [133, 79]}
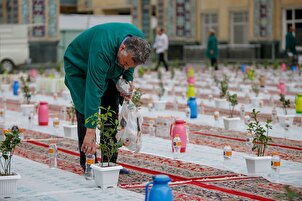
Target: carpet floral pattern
{"type": "Point", "coordinates": [189, 181]}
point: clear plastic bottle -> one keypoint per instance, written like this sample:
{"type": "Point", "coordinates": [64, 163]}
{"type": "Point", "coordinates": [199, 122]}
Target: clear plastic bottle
{"type": "Point", "coordinates": [188, 133]}
{"type": "Point", "coordinates": [249, 142]}
{"type": "Point", "coordinates": [216, 115]}
{"type": "Point", "coordinates": [152, 128]}
{"type": "Point", "coordinates": [276, 163]}
{"type": "Point", "coordinates": [2, 108]}
{"type": "Point", "coordinates": [176, 146]}
{"type": "Point", "coordinates": [52, 152]}
{"type": "Point", "coordinates": [188, 112]}
{"type": "Point", "coordinates": [274, 115]}
{"type": "Point", "coordinates": [56, 121]}
{"type": "Point", "coordinates": [227, 151]}
{"type": "Point", "coordinates": [90, 159]}
{"type": "Point", "coordinates": [175, 105]}
{"type": "Point", "coordinates": [201, 107]}
{"type": "Point", "coordinates": [63, 113]}
{"type": "Point", "coordinates": [30, 120]}
{"type": "Point", "coordinates": [247, 120]}
{"type": "Point", "coordinates": [242, 111]}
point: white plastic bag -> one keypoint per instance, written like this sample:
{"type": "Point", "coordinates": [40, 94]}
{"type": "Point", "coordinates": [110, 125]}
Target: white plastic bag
{"type": "Point", "coordinates": [131, 122]}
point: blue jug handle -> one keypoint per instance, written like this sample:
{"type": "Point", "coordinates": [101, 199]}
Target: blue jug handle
{"type": "Point", "coordinates": [147, 190]}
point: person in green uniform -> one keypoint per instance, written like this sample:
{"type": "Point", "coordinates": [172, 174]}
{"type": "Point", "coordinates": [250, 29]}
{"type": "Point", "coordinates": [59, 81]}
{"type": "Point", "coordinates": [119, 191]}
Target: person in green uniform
{"type": "Point", "coordinates": [290, 45]}
{"type": "Point", "coordinates": [93, 63]}
{"type": "Point", "coordinates": [212, 48]}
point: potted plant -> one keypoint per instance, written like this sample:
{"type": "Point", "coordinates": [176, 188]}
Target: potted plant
{"type": "Point", "coordinates": [136, 97]}
{"type": "Point", "coordinates": [160, 104]}
{"type": "Point", "coordinates": [260, 163]}
{"type": "Point", "coordinates": [231, 122]}
{"type": "Point", "coordinates": [224, 86]}
{"type": "Point", "coordinates": [8, 179]}
{"type": "Point", "coordinates": [70, 129]}
{"type": "Point", "coordinates": [141, 72]}
{"type": "Point", "coordinates": [285, 119]}
{"type": "Point", "coordinates": [5, 83]}
{"type": "Point", "coordinates": [256, 100]}
{"type": "Point", "coordinates": [26, 107]}
{"type": "Point", "coordinates": [106, 172]}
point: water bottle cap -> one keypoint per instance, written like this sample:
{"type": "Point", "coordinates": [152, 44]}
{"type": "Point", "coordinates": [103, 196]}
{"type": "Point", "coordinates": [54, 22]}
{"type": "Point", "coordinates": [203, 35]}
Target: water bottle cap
{"type": "Point", "coordinates": [180, 121]}
{"type": "Point", "coordinates": [53, 140]}
{"type": "Point", "coordinates": [161, 178]}
{"type": "Point", "coordinates": [43, 103]}
{"type": "Point", "coordinates": [275, 153]}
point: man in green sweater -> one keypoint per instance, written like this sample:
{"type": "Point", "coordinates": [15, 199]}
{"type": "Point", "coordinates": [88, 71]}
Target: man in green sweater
{"type": "Point", "coordinates": [212, 48]}
{"type": "Point", "coordinates": [93, 62]}
{"type": "Point", "coordinates": [290, 45]}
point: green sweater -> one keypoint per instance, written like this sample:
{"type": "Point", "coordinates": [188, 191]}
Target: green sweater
{"type": "Point", "coordinates": [212, 45]}
{"type": "Point", "coordinates": [90, 61]}
{"type": "Point", "coordinates": [290, 43]}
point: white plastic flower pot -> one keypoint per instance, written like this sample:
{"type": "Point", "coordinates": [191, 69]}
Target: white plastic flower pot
{"type": "Point", "coordinates": [258, 165]}
{"type": "Point", "coordinates": [8, 185]}
{"type": "Point", "coordinates": [159, 105]}
{"type": "Point", "coordinates": [5, 88]}
{"type": "Point", "coordinates": [106, 177]}
{"type": "Point", "coordinates": [256, 101]}
{"type": "Point", "coordinates": [26, 109]}
{"type": "Point", "coordinates": [286, 119]}
{"type": "Point", "coordinates": [220, 103]}
{"type": "Point", "coordinates": [70, 131]}
{"type": "Point", "coordinates": [231, 123]}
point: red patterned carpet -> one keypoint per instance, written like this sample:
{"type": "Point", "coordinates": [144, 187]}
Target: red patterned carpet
{"type": "Point", "coordinates": [189, 181]}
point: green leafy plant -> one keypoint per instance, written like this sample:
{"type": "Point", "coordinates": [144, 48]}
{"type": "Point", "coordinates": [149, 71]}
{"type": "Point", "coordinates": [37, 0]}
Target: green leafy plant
{"type": "Point", "coordinates": [175, 63]}
{"type": "Point", "coordinates": [136, 97]}
{"type": "Point", "coordinates": [233, 102]}
{"type": "Point", "coordinates": [159, 75]}
{"type": "Point", "coordinates": [215, 78]}
{"type": "Point", "coordinates": [259, 133]}
{"type": "Point", "coordinates": [71, 113]}
{"type": "Point", "coordinates": [292, 194]}
{"type": "Point", "coordinates": [141, 72]}
{"type": "Point", "coordinates": [285, 103]}
{"type": "Point", "coordinates": [266, 63]}
{"type": "Point", "coordinates": [161, 90]}
{"type": "Point", "coordinates": [224, 86]}
{"type": "Point", "coordinates": [172, 72]}
{"type": "Point", "coordinates": [276, 64]}
{"type": "Point", "coordinates": [108, 128]}
{"type": "Point", "coordinates": [251, 74]}
{"type": "Point", "coordinates": [25, 89]}
{"type": "Point", "coordinates": [255, 88]}
{"type": "Point", "coordinates": [7, 147]}
{"type": "Point", "coordinates": [225, 63]}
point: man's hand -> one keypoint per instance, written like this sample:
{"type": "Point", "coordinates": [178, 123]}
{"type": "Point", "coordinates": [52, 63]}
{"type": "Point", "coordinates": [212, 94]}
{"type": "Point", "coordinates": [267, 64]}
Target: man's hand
{"type": "Point", "coordinates": [89, 144]}
{"type": "Point", "coordinates": [211, 52]}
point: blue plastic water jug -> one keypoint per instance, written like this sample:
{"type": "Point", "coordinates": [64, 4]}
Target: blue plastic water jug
{"type": "Point", "coordinates": [15, 88]}
{"type": "Point", "coordinates": [160, 189]}
{"type": "Point", "coordinates": [193, 107]}
{"type": "Point", "coordinates": [294, 68]}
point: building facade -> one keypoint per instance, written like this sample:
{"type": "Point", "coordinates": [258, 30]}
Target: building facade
{"type": "Point", "coordinates": [41, 16]}
{"type": "Point", "coordinates": [252, 28]}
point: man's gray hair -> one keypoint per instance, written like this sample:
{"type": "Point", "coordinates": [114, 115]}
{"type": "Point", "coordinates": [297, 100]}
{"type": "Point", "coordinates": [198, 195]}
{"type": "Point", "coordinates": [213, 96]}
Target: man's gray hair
{"type": "Point", "coordinates": [140, 49]}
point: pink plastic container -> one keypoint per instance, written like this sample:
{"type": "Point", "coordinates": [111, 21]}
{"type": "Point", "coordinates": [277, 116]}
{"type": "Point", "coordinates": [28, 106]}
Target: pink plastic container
{"type": "Point", "coordinates": [281, 88]}
{"type": "Point", "coordinates": [191, 80]}
{"type": "Point", "coordinates": [43, 114]}
{"type": "Point", "coordinates": [33, 73]}
{"type": "Point", "coordinates": [179, 128]}
{"type": "Point", "coordinates": [283, 67]}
